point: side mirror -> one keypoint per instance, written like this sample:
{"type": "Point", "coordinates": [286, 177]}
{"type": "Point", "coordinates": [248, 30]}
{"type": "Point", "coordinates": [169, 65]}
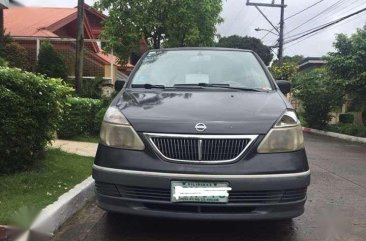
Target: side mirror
{"type": "Point", "coordinates": [284, 86]}
{"type": "Point", "coordinates": [118, 85]}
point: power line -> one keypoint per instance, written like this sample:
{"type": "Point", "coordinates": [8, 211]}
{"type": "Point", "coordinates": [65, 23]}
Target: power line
{"type": "Point", "coordinates": [301, 40]}
{"type": "Point", "coordinates": [335, 5]}
{"type": "Point", "coordinates": [295, 14]}
{"type": "Point", "coordinates": [331, 13]}
{"type": "Point", "coordinates": [324, 26]}
{"type": "Point", "coordinates": [307, 8]}
{"type": "Point", "coordinates": [236, 16]}
{"type": "Point", "coordinates": [309, 30]}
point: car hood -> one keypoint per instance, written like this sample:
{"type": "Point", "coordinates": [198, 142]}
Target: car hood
{"type": "Point", "coordinates": [223, 112]}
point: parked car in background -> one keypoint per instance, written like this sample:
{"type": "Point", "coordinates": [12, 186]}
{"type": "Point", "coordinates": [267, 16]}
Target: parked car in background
{"type": "Point", "coordinates": [202, 133]}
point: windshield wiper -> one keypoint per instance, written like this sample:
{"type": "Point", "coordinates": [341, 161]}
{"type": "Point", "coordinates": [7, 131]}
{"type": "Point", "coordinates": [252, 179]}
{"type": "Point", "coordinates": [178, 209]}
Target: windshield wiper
{"type": "Point", "coordinates": [224, 86]}
{"type": "Point", "coordinates": [191, 86]}
{"type": "Point", "coordinates": [148, 86]}
{"type": "Point", "coordinates": [235, 88]}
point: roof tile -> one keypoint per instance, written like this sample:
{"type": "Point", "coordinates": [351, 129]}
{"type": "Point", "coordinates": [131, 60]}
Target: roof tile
{"type": "Point", "coordinates": [29, 21]}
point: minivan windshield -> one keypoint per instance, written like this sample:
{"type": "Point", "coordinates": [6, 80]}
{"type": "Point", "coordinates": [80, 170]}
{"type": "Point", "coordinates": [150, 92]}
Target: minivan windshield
{"type": "Point", "coordinates": [208, 68]}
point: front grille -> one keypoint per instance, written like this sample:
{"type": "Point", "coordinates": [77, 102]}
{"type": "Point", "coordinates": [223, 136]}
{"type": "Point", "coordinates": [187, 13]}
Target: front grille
{"type": "Point", "coordinates": [276, 196]}
{"type": "Point", "coordinates": [239, 197]}
{"type": "Point", "coordinates": [198, 209]}
{"type": "Point", "coordinates": [202, 149]}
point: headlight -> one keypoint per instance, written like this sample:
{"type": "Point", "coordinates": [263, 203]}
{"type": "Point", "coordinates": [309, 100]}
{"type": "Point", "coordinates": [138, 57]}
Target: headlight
{"type": "Point", "coordinates": [117, 132]}
{"type": "Point", "coordinates": [285, 136]}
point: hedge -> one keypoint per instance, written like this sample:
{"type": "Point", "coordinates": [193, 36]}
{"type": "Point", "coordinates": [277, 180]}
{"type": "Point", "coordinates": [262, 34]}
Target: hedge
{"type": "Point", "coordinates": [348, 129]}
{"type": "Point", "coordinates": [346, 118]}
{"type": "Point", "coordinates": [79, 117]}
{"type": "Point", "coordinates": [30, 109]}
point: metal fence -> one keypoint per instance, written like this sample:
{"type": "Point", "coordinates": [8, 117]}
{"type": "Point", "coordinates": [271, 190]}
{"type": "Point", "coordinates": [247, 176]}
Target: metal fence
{"type": "Point", "coordinates": [96, 62]}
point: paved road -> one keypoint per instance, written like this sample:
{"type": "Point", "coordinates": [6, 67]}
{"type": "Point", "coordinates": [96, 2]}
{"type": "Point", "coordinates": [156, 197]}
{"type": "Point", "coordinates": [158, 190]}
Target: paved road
{"type": "Point", "coordinates": [336, 209]}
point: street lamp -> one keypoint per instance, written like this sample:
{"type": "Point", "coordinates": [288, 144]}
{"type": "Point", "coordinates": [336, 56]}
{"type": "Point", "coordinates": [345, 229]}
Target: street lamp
{"type": "Point", "coordinates": [266, 30]}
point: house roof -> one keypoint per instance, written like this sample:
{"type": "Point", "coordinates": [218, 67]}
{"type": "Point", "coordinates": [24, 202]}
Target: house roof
{"type": "Point", "coordinates": [111, 58]}
{"type": "Point", "coordinates": [108, 58]}
{"type": "Point", "coordinates": [44, 22]}
{"type": "Point", "coordinates": [4, 4]}
{"type": "Point", "coordinates": [36, 22]}
{"type": "Point", "coordinates": [312, 60]}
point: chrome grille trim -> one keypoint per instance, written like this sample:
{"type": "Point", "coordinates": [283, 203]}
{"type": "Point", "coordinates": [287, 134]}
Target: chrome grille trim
{"type": "Point", "coordinates": [201, 146]}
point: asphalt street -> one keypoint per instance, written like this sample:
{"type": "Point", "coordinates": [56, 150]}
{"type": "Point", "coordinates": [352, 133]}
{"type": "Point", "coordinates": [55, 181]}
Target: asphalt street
{"type": "Point", "coordinates": [335, 210]}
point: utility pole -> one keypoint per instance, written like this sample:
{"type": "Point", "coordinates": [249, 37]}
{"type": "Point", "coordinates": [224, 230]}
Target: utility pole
{"type": "Point", "coordinates": [1, 26]}
{"type": "Point", "coordinates": [79, 48]}
{"type": "Point", "coordinates": [282, 24]}
{"type": "Point", "coordinates": [279, 30]}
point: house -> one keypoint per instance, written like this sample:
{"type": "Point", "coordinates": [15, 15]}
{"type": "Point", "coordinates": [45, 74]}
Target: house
{"type": "Point", "coordinates": [4, 4]}
{"type": "Point", "coordinates": [311, 63]}
{"type": "Point", "coordinates": [29, 26]}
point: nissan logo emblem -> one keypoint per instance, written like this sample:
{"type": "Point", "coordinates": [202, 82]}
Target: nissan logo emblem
{"type": "Point", "coordinates": [200, 127]}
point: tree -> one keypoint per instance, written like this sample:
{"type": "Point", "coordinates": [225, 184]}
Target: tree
{"type": "Point", "coordinates": [160, 22]}
{"type": "Point", "coordinates": [6, 39]}
{"type": "Point", "coordinates": [284, 71]}
{"type": "Point", "coordinates": [319, 94]}
{"type": "Point", "coordinates": [13, 54]}
{"type": "Point", "coordinates": [51, 63]}
{"type": "Point", "coordinates": [246, 42]}
{"type": "Point", "coordinates": [288, 69]}
{"type": "Point", "coordinates": [296, 59]}
{"type": "Point", "coordinates": [17, 56]}
{"type": "Point", "coordinates": [348, 63]}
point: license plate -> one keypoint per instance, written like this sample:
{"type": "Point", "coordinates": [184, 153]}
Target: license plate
{"type": "Point", "coordinates": [201, 192]}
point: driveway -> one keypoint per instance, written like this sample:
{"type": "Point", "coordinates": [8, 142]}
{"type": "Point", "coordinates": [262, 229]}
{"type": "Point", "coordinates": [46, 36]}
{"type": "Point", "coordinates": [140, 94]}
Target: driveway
{"type": "Point", "coordinates": [335, 210]}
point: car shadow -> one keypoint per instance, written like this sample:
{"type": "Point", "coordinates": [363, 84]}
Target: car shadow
{"type": "Point", "coordinates": [142, 228]}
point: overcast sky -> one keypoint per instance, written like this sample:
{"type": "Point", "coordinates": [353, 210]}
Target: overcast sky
{"type": "Point", "coordinates": [242, 20]}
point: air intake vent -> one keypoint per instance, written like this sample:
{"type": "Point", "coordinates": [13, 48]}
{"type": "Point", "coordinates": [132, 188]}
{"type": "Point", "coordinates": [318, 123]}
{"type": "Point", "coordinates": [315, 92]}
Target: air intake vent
{"type": "Point", "coordinates": [201, 149]}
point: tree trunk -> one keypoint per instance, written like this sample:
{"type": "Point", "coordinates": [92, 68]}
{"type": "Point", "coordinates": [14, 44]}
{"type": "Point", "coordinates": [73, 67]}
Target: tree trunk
{"type": "Point", "coordinates": [156, 40]}
{"type": "Point", "coordinates": [358, 118]}
{"type": "Point", "coordinates": [1, 28]}
{"type": "Point", "coordinates": [79, 48]}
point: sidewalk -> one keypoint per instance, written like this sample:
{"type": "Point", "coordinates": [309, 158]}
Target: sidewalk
{"type": "Point", "coordinates": [76, 147]}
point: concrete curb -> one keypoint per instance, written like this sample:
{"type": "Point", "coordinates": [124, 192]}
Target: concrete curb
{"type": "Point", "coordinates": [55, 214]}
{"type": "Point", "coordinates": [336, 135]}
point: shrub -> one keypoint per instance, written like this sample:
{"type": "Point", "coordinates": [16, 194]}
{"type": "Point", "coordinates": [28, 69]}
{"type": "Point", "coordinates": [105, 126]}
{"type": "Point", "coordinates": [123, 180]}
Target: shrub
{"type": "Point", "coordinates": [348, 129]}
{"type": "Point", "coordinates": [284, 72]}
{"type": "Point", "coordinates": [91, 88]}
{"type": "Point", "coordinates": [6, 39]}
{"type": "Point", "coordinates": [319, 95]}
{"type": "Point", "coordinates": [347, 118]}
{"type": "Point", "coordinates": [17, 56]}
{"type": "Point", "coordinates": [79, 117]}
{"type": "Point", "coordinates": [99, 118]}
{"type": "Point", "coordinates": [51, 63]}
{"type": "Point", "coordinates": [3, 62]}
{"type": "Point", "coordinates": [30, 109]}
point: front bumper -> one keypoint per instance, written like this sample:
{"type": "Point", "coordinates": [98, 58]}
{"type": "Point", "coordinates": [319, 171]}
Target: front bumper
{"type": "Point", "coordinates": [265, 196]}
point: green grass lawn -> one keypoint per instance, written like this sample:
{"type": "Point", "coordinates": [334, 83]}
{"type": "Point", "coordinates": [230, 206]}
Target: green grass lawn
{"type": "Point", "coordinates": [35, 189]}
{"type": "Point", "coordinates": [93, 139]}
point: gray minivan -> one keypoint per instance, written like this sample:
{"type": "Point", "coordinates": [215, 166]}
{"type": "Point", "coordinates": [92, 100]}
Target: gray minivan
{"type": "Point", "coordinates": [202, 133]}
